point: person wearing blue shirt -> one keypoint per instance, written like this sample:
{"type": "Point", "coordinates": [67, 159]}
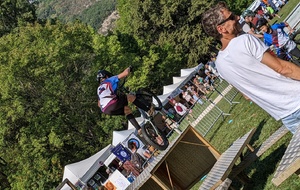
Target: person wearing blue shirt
{"type": "Point", "coordinates": [275, 35]}
{"type": "Point", "coordinates": [113, 103]}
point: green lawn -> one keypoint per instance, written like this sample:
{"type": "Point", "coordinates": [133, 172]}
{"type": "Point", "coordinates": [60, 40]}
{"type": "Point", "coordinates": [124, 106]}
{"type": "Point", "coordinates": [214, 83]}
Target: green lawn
{"type": "Point", "coordinates": [245, 116]}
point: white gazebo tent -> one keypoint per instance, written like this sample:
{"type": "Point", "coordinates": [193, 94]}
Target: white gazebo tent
{"type": "Point", "coordinates": [140, 120]}
{"type": "Point", "coordinates": [178, 82]}
{"type": "Point", "coordinates": [83, 170]}
{"type": "Point", "coordinates": [120, 136]}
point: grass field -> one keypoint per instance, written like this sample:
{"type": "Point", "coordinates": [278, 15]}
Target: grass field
{"type": "Point", "coordinates": [245, 116]}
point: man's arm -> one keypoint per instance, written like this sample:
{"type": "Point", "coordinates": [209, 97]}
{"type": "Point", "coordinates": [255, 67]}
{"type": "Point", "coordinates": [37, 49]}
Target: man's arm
{"type": "Point", "coordinates": [124, 73]}
{"type": "Point", "coordinates": [289, 27]}
{"type": "Point", "coordinates": [282, 67]}
{"type": "Point", "coordinates": [256, 35]}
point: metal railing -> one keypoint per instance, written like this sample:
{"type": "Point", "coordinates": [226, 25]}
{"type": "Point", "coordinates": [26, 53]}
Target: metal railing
{"type": "Point", "coordinates": [208, 113]}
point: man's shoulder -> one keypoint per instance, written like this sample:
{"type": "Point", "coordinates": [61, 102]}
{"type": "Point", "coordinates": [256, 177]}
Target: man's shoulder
{"type": "Point", "coordinates": [243, 37]}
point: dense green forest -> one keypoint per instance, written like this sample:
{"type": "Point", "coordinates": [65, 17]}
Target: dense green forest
{"type": "Point", "coordinates": [48, 109]}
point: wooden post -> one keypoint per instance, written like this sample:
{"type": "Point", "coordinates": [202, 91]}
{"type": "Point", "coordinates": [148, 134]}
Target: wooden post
{"type": "Point", "coordinates": [66, 181]}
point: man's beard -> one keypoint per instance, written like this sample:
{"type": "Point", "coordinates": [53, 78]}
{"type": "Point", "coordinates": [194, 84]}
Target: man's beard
{"type": "Point", "coordinates": [237, 28]}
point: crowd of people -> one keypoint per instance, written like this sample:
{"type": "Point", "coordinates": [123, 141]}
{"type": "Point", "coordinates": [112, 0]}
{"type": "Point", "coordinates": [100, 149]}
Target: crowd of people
{"type": "Point", "coordinates": [281, 43]}
{"type": "Point", "coordinates": [193, 92]}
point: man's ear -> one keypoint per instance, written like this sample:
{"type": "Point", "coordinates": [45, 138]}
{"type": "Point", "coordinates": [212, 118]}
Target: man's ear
{"type": "Point", "coordinates": [220, 29]}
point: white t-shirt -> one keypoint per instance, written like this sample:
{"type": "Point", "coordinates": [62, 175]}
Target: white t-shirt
{"type": "Point", "coordinates": [246, 27]}
{"type": "Point", "coordinates": [239, 64]}
{"type": "Point", "coordinates": [180, 108]}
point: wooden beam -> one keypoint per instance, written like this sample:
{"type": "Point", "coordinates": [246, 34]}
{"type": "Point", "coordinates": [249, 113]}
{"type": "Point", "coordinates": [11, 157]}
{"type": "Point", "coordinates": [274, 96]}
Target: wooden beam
{"type": "Point", "coordinates": [250, 147]}
{"type": "Point", "coordinates": [159, 182]}
{"type": "Point", "coordinates": [281, 177]}
{"type": "Point", "coordinates": [198, 144]}
{"type": "Point", "coordinates": [290, 162]}
{"type": "Point", "coordinates": [169, 175]}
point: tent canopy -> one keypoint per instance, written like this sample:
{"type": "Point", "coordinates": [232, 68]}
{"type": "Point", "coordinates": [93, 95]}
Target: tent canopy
{"type": "Point", "coordinates": [171, 88]}
{"type": "Point", "coordinates": [179, 79]}
{"type": "Point", "coordinates": [120, 136]}
{"type": "Point", "coordinates": [138, 119]}
{"type": "Point", "coordinates": [178, 82]}
{"type": "Point", "coordinates": [85, 169]}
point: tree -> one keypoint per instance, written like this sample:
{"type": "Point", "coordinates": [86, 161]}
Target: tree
{"type": "Point", "coordinates": [15, 12]}
{"type": "Point", "coordinates": [172, 23]}
{"type": "Point", "coordinates": [48, 105]}
{"type": "Point", "coordinates": [238, 6]}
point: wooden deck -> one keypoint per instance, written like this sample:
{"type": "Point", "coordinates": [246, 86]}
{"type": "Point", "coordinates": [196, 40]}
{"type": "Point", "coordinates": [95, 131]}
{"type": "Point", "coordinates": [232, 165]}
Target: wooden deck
{"type": "Point", "coordinates": [252, 156]}
{"type": "Point", "coordinates": [290, 162]}
{"type": "Point", "coordinates": [223, 166]}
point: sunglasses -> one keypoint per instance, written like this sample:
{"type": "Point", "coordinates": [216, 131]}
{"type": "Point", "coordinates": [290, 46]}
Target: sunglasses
{"type": "Point", "coordinates": [231, 17]}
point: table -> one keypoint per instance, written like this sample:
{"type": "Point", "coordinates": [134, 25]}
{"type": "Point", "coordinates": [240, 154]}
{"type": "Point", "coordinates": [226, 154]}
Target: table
{"type": "Point", "coordinates": [290, 162]}
{"type": "Point", "coordinates": [222, 168]}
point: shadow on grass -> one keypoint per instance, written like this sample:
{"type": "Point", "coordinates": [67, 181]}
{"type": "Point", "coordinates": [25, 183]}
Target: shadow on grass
{"type": "Point", "coordinates": [217, 129]}
{"type": "Point", "coordinates": [262, 170]}
{"type": "Point", "coordinates": [257, 133]}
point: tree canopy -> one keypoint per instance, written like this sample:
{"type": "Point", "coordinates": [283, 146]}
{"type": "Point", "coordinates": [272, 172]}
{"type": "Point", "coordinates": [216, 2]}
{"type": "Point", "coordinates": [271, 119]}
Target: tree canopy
{"type": "Point", "coordinates": [15, 12]}
{"type": "Point", "coordinates": [172, 23]}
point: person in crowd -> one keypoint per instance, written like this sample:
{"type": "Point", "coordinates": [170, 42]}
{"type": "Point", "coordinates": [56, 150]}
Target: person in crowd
{"type": "Point", "coordinates": [109, 171]}
{"type": "Point", "coordinates": [265, 15]}
{"type": "Point", "coordinates": [130, 169]}
{"type": "Point", "coordinates": [281, 3]}
{"type": "Point", "coordinates": [275, 35]}
{"type": "Point", "coordinates": [245, 62]}
{"type": "Point", "coordinates": [274, 7]}
{"type": "Point", "coordinates": [113, 103]}
{"type": "Point", "coordinates": [212, 60]}
{"type": "Point", "coordinates": [172, 113]}
{"type": "Point", "coordinates": [271, 11]}
{"type": "Point", "coordinates": [182, 110]}
{"type": "Point", "coordinates": [247, 25]}
{"type": "Point", "coordinates": [136, 159]}
{"type": "Point", "coordinates": [210, 73]}
{"type": "Point", "coordinates": [194, 92]}
{"type": "Point", "coordinates": [187, 97]}
{"type": "Point", "coordinates": [263, 2]}
{"type": "Point", "coordinates": [171, 124]}
{"type": "Point", "coordinates": [148, 154]}
{"type": "Point", "coordinates": [201, 87]}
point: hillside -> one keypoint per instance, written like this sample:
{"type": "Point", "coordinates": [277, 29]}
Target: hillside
{"type": "Point", "coordinates": [92, 12]}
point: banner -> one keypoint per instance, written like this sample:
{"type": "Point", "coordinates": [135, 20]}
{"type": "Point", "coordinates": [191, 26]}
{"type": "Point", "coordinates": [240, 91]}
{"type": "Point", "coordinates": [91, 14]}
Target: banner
{"type": "Point", "coordinates": [121, 152]}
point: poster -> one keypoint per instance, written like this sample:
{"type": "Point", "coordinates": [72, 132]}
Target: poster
{"type": "Point", "coordinates": [117, 181]}
{"type": "Point", "coordinates": [139, 144]}
{"type": "Point", "coordinates": [121, 152]}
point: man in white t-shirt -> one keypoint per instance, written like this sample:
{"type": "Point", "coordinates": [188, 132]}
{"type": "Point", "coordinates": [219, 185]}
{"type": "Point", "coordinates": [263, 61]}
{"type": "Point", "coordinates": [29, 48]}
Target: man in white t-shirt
{"type": "Point", "coordinates": [245, 62]}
